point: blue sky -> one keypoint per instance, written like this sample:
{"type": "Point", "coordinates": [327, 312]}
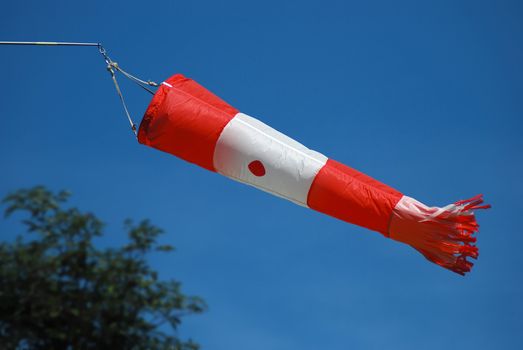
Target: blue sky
{"type": "Point", "coordinates": [425, 96]}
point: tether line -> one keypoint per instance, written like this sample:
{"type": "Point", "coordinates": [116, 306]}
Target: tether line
{"type": "Point", "coordinates": [112, 67]}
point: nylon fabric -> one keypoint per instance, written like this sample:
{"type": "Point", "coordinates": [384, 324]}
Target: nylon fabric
{"type": "Point", "coordinates": [352, 196]}
{"type": "Point", "coordinates": [186, 120]}
{"type": "Point", "coordinates": [252, 152]}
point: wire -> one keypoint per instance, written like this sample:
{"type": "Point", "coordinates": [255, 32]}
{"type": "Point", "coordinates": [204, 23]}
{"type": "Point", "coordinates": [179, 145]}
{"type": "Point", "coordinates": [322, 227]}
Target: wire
{"type": "Point", "coordinates": [47, 43]}
{"type": "Point", "coordinates": [112, 67]}
{"type": "Point", "coordinates": [113, 76]}
{"type": "Point", "coordinates": [141, 83]}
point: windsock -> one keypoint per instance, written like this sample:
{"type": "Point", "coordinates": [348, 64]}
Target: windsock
{"type": "Point", "coordinates": [188, 121]}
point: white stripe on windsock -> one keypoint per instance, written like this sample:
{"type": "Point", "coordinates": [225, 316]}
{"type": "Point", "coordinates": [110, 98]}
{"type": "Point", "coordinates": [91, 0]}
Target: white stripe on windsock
{"type": "Point", "coordinates": [252, 152]}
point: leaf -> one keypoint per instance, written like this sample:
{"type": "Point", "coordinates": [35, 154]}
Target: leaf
{"type": "Point", "coordinates": [60, 290]}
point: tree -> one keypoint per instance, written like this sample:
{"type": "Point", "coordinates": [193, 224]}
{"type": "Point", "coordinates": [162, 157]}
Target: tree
{"type": "Point", "coordinates": [59, 291]}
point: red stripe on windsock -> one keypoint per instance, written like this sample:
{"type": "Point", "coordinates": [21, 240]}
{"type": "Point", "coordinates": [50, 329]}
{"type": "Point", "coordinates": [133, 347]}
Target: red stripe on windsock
{"type": "Point", "coordinates": [186, 120]}
{"type": "Point", "coordinates": [352, 196]}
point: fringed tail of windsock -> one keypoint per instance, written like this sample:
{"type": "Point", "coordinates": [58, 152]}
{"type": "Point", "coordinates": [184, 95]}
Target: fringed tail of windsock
{"type": "Point", "coordinates": [443, 235]}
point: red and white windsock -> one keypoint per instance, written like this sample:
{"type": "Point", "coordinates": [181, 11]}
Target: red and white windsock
{"type": "Point", "coordinates": [190, 122]}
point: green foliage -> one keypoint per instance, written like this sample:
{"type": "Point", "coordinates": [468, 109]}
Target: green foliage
{"type": "Point", "coordinates": [59, 291]}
